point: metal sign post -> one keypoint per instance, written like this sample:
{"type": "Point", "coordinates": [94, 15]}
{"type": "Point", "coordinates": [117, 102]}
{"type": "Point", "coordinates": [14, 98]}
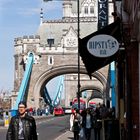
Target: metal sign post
{"type": "Point", "coordinates": [78, 35]}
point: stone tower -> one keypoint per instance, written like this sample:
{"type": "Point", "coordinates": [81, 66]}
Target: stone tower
{"type": "Point", "coordinates": [55, 53]}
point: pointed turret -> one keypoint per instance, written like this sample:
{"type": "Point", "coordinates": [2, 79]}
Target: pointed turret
{"type": "Point", "coordinates": [41, 16]}
{"type": "Point", "coordinates": [67, 8]}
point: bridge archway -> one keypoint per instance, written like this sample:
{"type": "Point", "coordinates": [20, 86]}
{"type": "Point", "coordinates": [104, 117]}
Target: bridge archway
{"type": "Point", "coordinates": [61, 70]}
{"type": "Point", "coordinates": [100, 91]}
{"type": "Point", "coordinates": [97, 93]}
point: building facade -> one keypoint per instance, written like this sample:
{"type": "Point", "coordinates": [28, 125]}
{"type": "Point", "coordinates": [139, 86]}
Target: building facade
{"type": "Point", "coordinates": [129, 68]}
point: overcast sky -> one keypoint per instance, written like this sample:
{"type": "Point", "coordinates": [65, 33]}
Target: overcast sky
{"type": "Point", "coordinates": [18, 18]}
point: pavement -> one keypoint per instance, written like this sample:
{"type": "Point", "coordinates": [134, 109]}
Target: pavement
{"type": "Point", "coordinates": [68, 135]}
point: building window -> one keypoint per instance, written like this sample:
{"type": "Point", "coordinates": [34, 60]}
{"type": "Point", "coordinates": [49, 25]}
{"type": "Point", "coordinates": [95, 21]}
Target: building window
{"type": "Point", "coordinates": [50, 60]}
{"type": "Point", "coordinates": [86, 9]}
{"type": "Point", "coordinates": [50, 42]}
{"type": "Point", "coordinates": [91, 9]}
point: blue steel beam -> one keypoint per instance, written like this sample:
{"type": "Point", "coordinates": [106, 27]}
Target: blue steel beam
{"type": "Point", "coordinates": [47, 96]}
{"type": "Point", "coordinates": [25, 81]}
{"type": "Point", "coordinates": [113, 82]}
{"type": "Point", "coordinates": [59, 92]}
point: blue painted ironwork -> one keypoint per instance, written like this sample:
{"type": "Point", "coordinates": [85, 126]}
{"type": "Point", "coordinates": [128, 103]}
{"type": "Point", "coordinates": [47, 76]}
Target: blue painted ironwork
{"type": "Point", "coordinates": [47, 97]}
{"type": "Point", "coordinates": [84, 94]}
{"type": "Point", "coordinates": [59, 92]}
{"type": "Point", "coordinates": [113, 81]}
{"type": "Point", "coordinates": [24, 84]}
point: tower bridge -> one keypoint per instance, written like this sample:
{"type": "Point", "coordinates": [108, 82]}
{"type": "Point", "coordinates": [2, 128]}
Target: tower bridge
{"type": "Point", "coordinates": [55, 50]}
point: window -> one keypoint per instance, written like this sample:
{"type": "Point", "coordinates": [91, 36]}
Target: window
{"type": "Point", "coordinates": [50, 42]}
{"type": "Point", "coordinates": [50, 60]}
{"type": "Point", "coordinates": [86, 10]}
{"type": "Point", "coordinates": [91, 9]}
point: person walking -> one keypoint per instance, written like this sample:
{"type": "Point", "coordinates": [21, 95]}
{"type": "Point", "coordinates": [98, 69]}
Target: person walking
{"type": "Point", "coordinates": [87, 123]}
{"type": "Point", "coordinates": [71, 121]}
{"type": "Point", "coordinates": [76, 124]}
{"type": "Point", "coordinates": [97, 124]}
{"type": "Point", "coordinates": [22, 126]}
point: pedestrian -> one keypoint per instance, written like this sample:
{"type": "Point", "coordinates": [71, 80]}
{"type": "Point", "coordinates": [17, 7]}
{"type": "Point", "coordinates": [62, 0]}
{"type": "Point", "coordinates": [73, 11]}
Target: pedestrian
{"type": "Point", "coordinates": [104, 111]}
{"type": "Point", "coordinates": [71, 121]}
{"type": "Point", "coordinates": [87, 123]}
{"type": "Point", "coordinates": [97, 124]}
{"type": "Point", "coordinates": [38, 112]}
{"type": "Point", "coordinates": [76, 124]}
{"type": "Point", "coordinates": [46, 111]}
{"type": "Point", "coordinates": [22, 126]}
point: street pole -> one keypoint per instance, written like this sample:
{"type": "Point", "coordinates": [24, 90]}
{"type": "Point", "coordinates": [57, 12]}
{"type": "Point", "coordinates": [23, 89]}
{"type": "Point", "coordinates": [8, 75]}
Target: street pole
{"type": "Point", "coordinates": [78, 35]}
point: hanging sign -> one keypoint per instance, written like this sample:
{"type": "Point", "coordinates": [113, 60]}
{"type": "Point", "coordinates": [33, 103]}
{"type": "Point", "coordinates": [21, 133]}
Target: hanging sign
{"type": "Point", "coordinates": [102, 13]}
{"type": "Point", "coordinates": [102, 45]}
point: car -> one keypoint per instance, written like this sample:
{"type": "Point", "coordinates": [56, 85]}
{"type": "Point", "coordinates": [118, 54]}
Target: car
{"type": "Point", "coordinates": [68, 110]}
{"type": "Point", "coordinates": [58, 111]}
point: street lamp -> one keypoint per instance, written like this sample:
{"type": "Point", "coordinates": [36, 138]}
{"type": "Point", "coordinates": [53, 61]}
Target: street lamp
{"type": "Point", "coordinates": [78, 36]}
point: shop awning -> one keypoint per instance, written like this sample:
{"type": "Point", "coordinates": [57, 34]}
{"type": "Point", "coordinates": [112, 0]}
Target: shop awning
{"type": "Point", "coordinates": [93, 63]}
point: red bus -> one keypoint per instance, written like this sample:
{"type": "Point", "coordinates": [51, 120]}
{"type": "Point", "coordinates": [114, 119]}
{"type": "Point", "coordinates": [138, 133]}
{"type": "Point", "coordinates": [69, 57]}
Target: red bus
{"type": "Point", "coordinates": [75, 104]}
{"type": "Point", "coordinates": [92, 104]}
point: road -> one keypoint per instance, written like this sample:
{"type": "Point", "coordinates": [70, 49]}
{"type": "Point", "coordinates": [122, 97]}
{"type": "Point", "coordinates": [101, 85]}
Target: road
{"type": "Point", "coordinates": [48, 129]}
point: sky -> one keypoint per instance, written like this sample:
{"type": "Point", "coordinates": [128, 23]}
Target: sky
{"type": "Point", "coordinates": [19, 18]}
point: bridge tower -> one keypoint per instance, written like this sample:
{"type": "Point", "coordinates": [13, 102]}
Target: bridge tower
{"type": "Point", "coordinates": [55, 53]}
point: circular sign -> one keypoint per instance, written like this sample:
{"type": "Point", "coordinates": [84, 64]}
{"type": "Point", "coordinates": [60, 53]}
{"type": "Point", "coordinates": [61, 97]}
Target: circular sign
{"type": "Point", "coordinates": [102, 45]}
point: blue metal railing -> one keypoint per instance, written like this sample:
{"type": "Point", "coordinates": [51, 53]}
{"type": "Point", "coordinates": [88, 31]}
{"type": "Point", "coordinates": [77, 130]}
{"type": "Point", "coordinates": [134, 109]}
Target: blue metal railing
{"type": "Point", "coordinates": [24, 83]}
